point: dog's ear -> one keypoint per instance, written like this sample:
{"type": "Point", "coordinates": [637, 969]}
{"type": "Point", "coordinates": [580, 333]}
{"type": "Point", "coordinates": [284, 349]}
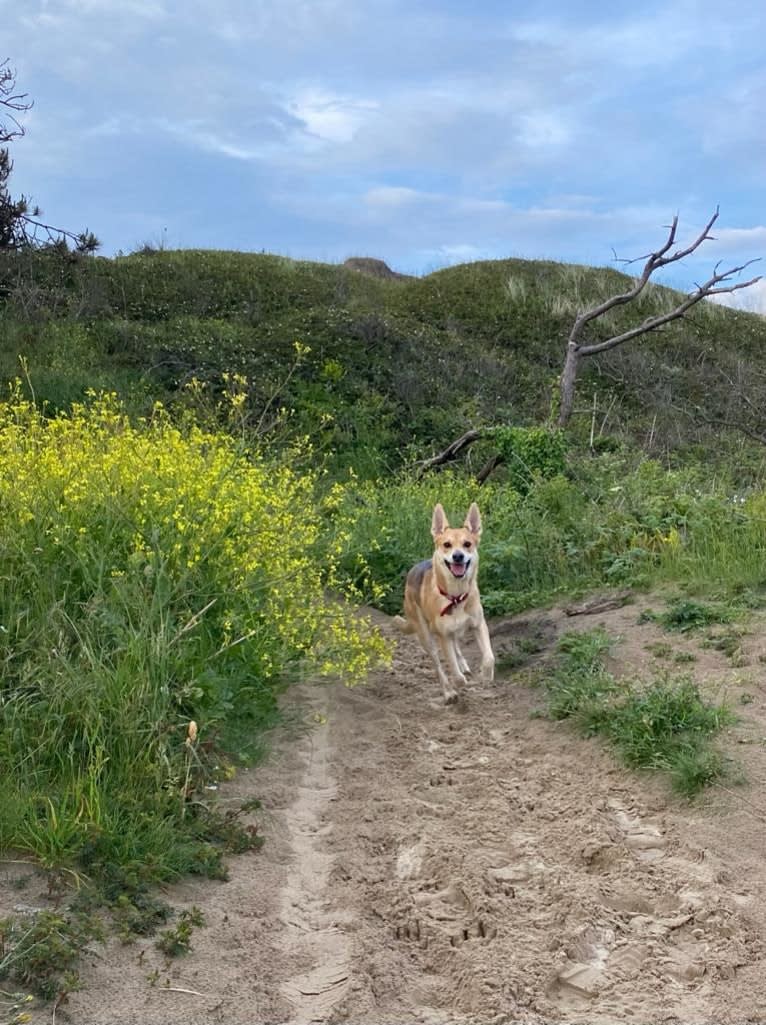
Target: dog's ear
{"type": "Point", "coordinates": [473, 520]}
{"type": "Point", "coordinates": [438, 521]}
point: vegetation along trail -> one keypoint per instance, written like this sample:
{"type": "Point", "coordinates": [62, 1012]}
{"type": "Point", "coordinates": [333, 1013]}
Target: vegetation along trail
{"type": "Point", "coordinates": [479, 864]}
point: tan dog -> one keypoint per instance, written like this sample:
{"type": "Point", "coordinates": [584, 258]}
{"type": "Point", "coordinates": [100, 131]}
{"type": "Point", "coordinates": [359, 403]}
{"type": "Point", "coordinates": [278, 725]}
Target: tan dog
{"type": "Point", "coordinates": [441, 600]}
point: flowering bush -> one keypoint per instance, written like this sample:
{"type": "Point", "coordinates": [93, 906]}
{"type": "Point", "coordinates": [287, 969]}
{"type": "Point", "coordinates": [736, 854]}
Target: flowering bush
{"type": "Point", "coordinates": [152, 574]}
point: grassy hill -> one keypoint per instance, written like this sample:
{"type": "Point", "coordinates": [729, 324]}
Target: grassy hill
{"type": "Point", "coordinates": [396, 367]}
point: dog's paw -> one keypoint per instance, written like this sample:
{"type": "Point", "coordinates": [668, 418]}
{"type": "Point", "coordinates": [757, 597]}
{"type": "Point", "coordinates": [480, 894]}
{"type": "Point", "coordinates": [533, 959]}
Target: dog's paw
{"type": "Point", "coordinates": [488, 671]}
{"type": "Point", "coordinates": [450, 696]}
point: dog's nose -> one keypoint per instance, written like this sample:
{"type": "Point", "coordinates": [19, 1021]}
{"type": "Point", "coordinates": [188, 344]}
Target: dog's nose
{"type": "Point", "coordinates": [458, 556]}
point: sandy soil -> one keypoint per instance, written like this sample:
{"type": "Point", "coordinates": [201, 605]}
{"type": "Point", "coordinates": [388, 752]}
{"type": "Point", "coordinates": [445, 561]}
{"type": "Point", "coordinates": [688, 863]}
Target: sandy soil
{"type": "Point", "coordinates": [473, 865]}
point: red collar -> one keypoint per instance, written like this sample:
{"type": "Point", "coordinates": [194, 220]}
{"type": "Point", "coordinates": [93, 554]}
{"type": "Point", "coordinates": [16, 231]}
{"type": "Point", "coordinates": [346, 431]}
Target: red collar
{"type": "Point", "coordinates": [453, 599]}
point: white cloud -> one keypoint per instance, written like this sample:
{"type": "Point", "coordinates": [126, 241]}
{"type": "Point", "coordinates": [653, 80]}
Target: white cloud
{"type": "Point", "coordinates": [752, 299]}
{"type": "Point", "coordinates": [329, 117]}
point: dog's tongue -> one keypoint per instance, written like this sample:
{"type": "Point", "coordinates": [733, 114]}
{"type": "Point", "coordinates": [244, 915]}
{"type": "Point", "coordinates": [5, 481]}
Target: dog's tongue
{"type": "Point", "coordinates": [458, 569]}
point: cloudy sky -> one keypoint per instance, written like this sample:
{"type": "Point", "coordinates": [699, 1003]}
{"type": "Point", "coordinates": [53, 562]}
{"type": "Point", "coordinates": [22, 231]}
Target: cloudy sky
{"type": "Point", "coordinates": [423, 132]}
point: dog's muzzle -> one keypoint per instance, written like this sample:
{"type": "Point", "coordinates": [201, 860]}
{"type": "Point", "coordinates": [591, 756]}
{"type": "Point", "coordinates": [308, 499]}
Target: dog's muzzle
{"type": "Point", "coordinates": [458, 564]}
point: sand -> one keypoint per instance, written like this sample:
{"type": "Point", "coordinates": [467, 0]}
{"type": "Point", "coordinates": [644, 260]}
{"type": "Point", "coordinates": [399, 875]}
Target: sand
{"type": "Point", "coordinates": [478, 864]}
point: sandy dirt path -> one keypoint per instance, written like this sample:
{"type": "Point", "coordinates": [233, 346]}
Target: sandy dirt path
{"type": "Point", "coordinates": [472, 865]}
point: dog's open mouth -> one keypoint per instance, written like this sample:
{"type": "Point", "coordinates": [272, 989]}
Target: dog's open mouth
{"type": "Point", "coordinates": [457, 569]}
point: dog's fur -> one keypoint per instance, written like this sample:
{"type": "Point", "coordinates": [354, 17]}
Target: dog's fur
{"type": "Point", "coordinates": [441, 601]}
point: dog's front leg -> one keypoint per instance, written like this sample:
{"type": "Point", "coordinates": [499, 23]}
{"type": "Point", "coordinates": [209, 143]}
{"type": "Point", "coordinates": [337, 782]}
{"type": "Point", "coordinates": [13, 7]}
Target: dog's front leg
{"type": "Point", "coordinates": [429, 645]}
{"type": "Point", "coordinates": [465, 669]}
{"type": "Point", "coordinates": [487, 656]}
{"type": "Point", "coordinates": [449, 650]}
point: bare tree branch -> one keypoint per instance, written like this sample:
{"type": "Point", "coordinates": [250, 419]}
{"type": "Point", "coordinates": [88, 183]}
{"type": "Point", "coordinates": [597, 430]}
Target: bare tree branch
{"type": "Point", "coordinates": [717, 284]}
{"type": "Point", "coordinates": [20, 223]}
{"type": "Point", "coordinates": [451, 452]}
{"type": "Point", "coordinates": [10, 126]}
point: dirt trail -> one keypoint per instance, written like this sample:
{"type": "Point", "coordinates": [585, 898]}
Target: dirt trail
{"type": "Point", "coordinates": [478, 865]}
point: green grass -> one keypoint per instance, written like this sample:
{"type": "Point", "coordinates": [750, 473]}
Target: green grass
{"type": "Point", "coordinates": [158, 591]}
{"type": "Point", "coordinates": [664, 725]}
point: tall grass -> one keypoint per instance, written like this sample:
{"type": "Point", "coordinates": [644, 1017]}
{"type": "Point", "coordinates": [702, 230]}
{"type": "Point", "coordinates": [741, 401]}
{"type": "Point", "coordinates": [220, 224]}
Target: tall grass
{"type": "Point", "coordinates": [152, 577]}
{"type": "Point", "coordinates": [614, 520]}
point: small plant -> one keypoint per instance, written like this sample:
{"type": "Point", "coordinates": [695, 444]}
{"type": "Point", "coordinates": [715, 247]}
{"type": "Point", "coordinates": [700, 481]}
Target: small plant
{"type": "Point", "coordinates": [729, 642]}
{"type": "Point", "coordinates": [660, 649]}
{"type": "Point", "coordinates": [664, 725]}
{"type": "Point", "coordinates": [684, 614]}
{"type": "Point", "coordinates": [40, 952]}
{"type": "Point", "coordinates": [138, 915]}
{"type": "Point", "coordinates": [584, 682]}
{"type": "Point", "coordinates": [178, 940]}
{"type": "Point", "coordinates": [525, 648]}
{"type": "Point", "coordinates": [684, 656]}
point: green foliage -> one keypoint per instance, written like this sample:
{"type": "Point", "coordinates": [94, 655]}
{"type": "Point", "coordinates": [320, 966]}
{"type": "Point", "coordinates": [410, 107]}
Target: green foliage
{"type": "Point", "coordinates": [685, 614]}
{"type": "Point", "coordinates": [663, 725]}
{"type": "Point", "coordinates": [531, 453]}
{"type": "Point", "coordinates": [177, 940]}
{"type": "Point", "coordinates": [396, 367]}
{"type": "Point", "coordinates": [40, 952]}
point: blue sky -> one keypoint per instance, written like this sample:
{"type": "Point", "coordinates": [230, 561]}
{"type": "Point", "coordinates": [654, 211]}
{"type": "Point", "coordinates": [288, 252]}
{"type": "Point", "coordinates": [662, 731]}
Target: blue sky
{"type": "Point", "coordinates": [421, 133]}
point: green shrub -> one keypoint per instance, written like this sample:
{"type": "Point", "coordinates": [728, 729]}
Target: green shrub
{"type": "Point", "coordinates": [661, 725]}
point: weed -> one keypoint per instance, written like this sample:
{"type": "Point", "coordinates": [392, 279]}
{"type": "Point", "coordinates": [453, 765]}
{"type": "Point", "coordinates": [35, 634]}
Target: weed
{"type": "Point", "coordinates": [41, 952]}
{"type": "Point", "coordinates": [685, 614]}
{"type": "Point", "coordinates": [525, 648]}
{"type": "Point", "coordinates": [729, 642]}
{"type": "Point", "coordinates": [684, 656]}
{"type": "Point", "coordinates": [178, 940]}
{"type": "Point", "coordinates": [663, 725]}
{"type": "Point", "coordinates": [660, 649]}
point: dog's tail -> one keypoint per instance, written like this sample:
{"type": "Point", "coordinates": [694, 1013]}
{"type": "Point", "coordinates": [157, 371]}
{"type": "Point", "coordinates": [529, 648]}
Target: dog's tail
{"type": "Point", "coordinates": [404, 625]}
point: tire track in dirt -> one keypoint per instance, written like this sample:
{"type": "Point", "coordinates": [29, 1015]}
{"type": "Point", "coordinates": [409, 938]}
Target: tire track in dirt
{"type": "Point", "coordinates": [308, 924]}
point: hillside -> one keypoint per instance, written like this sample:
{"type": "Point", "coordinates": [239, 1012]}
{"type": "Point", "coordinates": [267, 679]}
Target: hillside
{"type": "Point", "coordinates": [397, 366]}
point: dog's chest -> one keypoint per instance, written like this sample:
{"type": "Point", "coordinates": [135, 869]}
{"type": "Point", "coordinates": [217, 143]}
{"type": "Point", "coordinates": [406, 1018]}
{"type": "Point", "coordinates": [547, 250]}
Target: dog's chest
{"type": "Point", "coordinates": [454, 621]}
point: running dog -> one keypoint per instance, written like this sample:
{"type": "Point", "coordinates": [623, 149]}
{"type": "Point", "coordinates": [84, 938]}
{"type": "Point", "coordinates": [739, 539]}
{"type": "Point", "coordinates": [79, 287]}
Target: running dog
{"type": "Point", "coordinates": [441, 600]}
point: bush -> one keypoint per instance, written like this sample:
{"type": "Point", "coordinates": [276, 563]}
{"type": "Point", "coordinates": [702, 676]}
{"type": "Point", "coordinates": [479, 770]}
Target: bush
{"type": "Point", "coordinates": [153, 576]}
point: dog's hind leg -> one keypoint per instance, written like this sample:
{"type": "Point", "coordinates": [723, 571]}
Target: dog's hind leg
{"type": "Point", "coordinates": [404, 625]}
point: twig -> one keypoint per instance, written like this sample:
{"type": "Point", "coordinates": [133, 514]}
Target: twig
{"type": "Point", "coordinates": [179, 989]}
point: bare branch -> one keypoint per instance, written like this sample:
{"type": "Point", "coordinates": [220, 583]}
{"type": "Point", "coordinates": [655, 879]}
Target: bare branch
{"type": "Point", "coordinates": [735, 426]}
{"type": "Point", "coordinates": [717, 284]}
{"type": "Point", "coordinates": [11, 101]}
{"type": "Point", "coordinates": [653, 323]}
{"type": "Point", "coordinates": [451, 452]}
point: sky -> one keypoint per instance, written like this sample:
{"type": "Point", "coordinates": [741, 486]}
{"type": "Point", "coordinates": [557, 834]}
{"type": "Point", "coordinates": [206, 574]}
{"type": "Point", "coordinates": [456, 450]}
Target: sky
{"type": "Point", "coordinates": [422, 133]}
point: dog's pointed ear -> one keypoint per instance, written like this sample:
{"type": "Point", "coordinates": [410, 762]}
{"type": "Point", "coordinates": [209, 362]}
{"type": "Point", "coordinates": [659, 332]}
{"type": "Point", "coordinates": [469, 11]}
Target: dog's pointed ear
{"type": "Point", "coordinates": [473, 520]}
{"type": "Point", "coordinates": [438, 521]}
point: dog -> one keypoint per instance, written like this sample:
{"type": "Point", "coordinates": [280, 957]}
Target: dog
{"type": "Point", "coordinates": [441, 601]}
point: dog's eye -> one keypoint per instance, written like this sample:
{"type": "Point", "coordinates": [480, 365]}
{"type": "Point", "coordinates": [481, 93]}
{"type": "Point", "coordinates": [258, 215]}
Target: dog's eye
{"type": "Point", "coordinates": [447, 545]}
{"type": "Point", "coordinates": [466, 544]}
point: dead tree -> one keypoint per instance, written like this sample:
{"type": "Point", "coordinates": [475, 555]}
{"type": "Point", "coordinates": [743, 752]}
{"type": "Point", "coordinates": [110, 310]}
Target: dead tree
{"type": "Point", "coordinates": [21, 226]}
{"type": "Point", "coordinates": [11, 104]}
{"type": "Point", "coordinates": [577, 349]}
